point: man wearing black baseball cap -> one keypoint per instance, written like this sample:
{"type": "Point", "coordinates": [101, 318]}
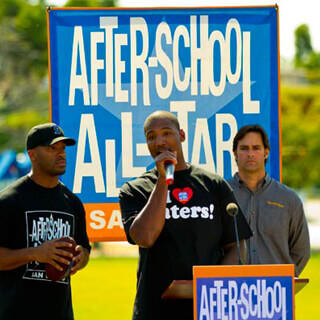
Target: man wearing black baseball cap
{"type": "Point", "coordinates": [46, 148]}
{"type": "Point", "coordinates": [35, 212]}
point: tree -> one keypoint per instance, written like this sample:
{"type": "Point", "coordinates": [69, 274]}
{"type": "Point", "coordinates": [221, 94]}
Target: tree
{"type": "Point", "coordinates": [24, 92]}
{"type": "Point", "coordinates": [23, 65]}
{"type": "Point", "coordinates": [303, 46]}
{"type": "Point", "coordinates": [91, 3]}
{"type": "Point", "coordinates": [300, 107]}
{"type": "Point", "coordinates": [305, 57]}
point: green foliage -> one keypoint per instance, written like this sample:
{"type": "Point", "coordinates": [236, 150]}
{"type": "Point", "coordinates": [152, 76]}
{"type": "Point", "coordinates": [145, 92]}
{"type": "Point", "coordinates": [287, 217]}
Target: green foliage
{"type": "Point", "coordinates": [305, 57]}
{"type": "Point", "coordinates": [303, 45]}
{"type": "Point", "coordinates": [301, 118]}
{"type": "Point", "coordinates": [24, 97]}
{"type": "Point", "coordinates": [23, 66]}
{"type": "Point", "coordinates": [31, 25]}
{"type": "Point", "coordinates": [108, 3]}
{"type": "Point", "coordinates": [91, 3]}
{"type": "Point", "coordinates": [10, 8]}
{"type": "Point", "coordinates": [300, 136]}
{"type": "Point", "coordinates": [82, 3]}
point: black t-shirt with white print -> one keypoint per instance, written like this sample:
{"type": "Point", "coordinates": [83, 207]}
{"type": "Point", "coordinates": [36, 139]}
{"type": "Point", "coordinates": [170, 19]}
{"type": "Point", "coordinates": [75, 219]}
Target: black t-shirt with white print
{"type": "Point", "coordinates": [29, 215]}
{"type": "Point", "coordinates": [196, 228]}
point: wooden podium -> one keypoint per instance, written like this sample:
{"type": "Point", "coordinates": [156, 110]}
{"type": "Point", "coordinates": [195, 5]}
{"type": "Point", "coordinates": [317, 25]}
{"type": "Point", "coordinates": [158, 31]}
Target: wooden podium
{"type": "Point", "coordinates": [183, 289]}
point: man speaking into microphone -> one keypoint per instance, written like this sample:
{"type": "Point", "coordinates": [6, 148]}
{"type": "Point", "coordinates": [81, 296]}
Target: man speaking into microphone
{"type": "Point", "coordinates": [178, 220]}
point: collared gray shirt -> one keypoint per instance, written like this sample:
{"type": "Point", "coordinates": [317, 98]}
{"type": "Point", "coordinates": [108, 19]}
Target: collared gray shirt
{"type": "Point", "coordinates": [276, 217]}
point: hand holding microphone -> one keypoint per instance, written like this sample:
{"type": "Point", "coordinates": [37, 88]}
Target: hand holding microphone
{"type": "Point", "coordinates": [166, 161]}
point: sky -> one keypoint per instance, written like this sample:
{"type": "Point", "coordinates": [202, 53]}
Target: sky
{"type": "Point", "coordinates": [292, 13]}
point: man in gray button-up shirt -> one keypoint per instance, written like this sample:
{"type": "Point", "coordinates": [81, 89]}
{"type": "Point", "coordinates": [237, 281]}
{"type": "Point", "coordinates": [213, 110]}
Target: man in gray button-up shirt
{"type": "Point", "coordinates": [274, 211]}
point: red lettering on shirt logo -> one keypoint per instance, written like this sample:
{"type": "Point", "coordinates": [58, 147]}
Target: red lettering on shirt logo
{"type": "Point", "coordinates": [183, 195]}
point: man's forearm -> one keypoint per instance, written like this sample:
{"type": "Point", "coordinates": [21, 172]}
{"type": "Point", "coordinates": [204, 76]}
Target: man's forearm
{"type": "Point", "coordinates": [231, 256]}
{"type": "Point", "coordinates": [85, 259]}
{"type": "Point", "coordinates": [14, 258]}
{"type": "Point", "coordinates": [149, 223]}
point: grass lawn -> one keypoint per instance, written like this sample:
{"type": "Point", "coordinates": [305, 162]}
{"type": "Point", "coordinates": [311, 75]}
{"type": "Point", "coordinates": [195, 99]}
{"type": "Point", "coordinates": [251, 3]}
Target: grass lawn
{"type": "Point", "coordinates": [105, 289]}
{"type": "Point", "coordinates": [307, 300]}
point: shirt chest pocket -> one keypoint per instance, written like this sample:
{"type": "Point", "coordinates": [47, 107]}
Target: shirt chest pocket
{"type": "Point", "coordinates": [273, 220]}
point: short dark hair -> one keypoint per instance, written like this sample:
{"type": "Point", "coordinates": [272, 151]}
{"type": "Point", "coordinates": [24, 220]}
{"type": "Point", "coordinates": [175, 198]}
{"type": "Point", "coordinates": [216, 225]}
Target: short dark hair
{"type": "Point", "coordinates": [251, 128]}
{"type": "Point", "coordinates": [160, 114]}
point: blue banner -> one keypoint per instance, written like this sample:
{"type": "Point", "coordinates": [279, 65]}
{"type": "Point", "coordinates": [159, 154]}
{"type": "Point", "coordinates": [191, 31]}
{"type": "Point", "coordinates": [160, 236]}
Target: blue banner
{"type": "Point", "coordinates": [217, 69]}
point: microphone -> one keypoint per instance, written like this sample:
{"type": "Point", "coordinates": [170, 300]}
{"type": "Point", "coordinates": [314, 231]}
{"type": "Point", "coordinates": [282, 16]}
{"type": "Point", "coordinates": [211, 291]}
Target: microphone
{"type": "Point", "coordinates": [169, 166]}
{"type": "Point", "coordinates": [232, 210]}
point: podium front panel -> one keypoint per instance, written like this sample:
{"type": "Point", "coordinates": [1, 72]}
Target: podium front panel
{"type": "Point", "coordinates": [244, 292]}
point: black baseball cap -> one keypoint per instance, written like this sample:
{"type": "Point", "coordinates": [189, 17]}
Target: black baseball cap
{"type": "Point", "coordinates": [46, 134]}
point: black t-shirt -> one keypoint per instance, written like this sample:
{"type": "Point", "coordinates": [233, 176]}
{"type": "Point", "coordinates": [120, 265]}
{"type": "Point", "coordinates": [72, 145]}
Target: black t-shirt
{"type": "Point", "coordinates": [29, 215]}
{"type": "Point", "coordinates": [196, 228]}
